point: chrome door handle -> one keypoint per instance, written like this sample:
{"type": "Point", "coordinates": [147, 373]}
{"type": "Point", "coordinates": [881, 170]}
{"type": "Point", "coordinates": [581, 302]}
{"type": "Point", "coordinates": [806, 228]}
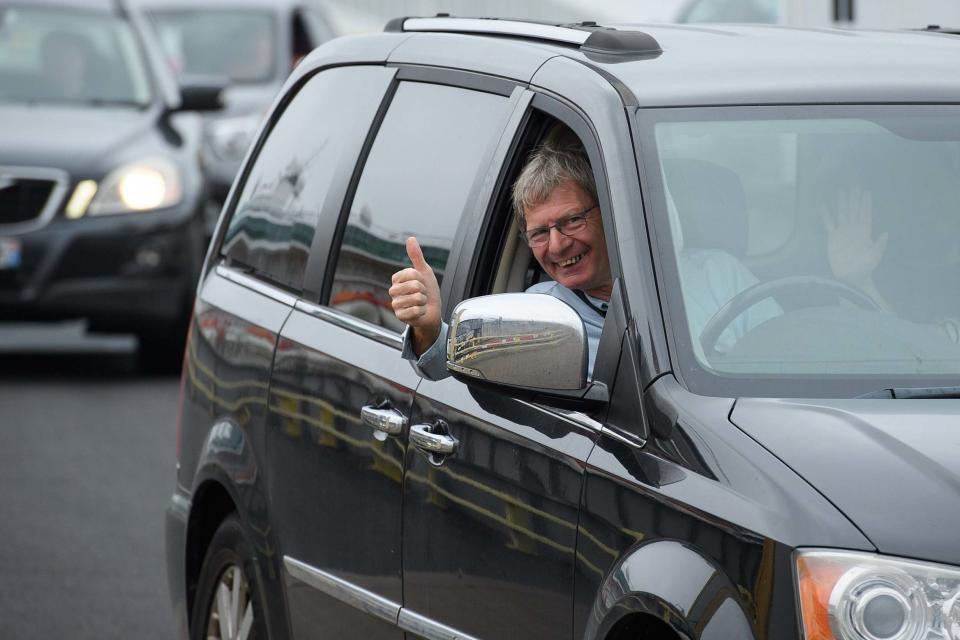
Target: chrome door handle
{"type": "Point", "coordinates": [383, 418]}
{"type": "Point", "coordinates": [423, 437]}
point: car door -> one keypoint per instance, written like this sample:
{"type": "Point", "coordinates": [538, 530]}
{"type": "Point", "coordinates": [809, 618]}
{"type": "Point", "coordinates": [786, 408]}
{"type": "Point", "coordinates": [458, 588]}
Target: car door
{"type": "Point", "coordinates": [341, 394]}
{"type": "Point", "coordinates": [313, 149]}
{"type": "Point", "coordinates": [259, 265]}
{"type": "Point", "coordinates": [490, 530]}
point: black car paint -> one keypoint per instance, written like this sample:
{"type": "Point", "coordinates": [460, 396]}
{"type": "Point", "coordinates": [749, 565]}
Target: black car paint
{"type": "Point", "coordinates": [904, 469]}
{"type": "Point", "coordinates": [331, 479]}
{"type": "Point", "coordinates": [687, 510]}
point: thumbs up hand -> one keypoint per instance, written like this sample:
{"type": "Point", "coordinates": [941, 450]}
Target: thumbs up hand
{"type": "Point", "coordinates": [415, 297]}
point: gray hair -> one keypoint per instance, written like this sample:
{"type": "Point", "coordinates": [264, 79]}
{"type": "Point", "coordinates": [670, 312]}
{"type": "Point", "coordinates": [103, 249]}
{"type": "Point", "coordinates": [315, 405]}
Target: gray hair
{"type": "Point", "coordinates": [560, 157]}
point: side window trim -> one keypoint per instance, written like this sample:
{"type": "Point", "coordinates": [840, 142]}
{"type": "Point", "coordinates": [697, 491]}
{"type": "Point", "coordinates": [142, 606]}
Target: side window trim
{"type": "Point", "coordinates": [321, 265]}
{"type": "Point", "coordinates": [350, 323]}
{"type": "Point", "coordinates": [268, 289]}
{"type": "Point", "coordinates": [331, 251]}
{"type": "Point", "coordinates": [491, 183]}
{"type": "Point", "coordinates": [236, 189]}
{"type": "Point", "coordinates": [216, 256]}
{"type": "Point", "coordinates": [456, 78]}
{"type": "Point", "coordinates": [439, 76]}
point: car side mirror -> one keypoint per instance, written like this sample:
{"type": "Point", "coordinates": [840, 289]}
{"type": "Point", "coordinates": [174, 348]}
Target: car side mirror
{"type": "Point", "coordinates": [528, 344]}
{"type": "Point", "coordinates": [201, 93]}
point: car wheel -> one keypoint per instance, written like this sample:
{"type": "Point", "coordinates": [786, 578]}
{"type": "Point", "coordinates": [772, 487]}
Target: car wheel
{"type": "Point", "coordinates": [228, 605]}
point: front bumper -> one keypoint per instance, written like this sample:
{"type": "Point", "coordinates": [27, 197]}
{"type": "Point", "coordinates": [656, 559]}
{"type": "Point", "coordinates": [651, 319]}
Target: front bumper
{"type": "Point", "coordinates": [122, 273]}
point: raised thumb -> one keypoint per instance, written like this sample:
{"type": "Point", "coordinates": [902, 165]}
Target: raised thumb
{"type": "Point", "coordinates": [416, 255]}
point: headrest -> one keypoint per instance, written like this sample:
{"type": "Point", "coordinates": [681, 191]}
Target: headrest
{"type": "Point", "coordinates": [710, 203]}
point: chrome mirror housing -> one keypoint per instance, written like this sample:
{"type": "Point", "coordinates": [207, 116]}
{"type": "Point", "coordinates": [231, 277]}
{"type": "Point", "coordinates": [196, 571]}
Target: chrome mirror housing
{"type": "Point", "coordinates": [527, 340]}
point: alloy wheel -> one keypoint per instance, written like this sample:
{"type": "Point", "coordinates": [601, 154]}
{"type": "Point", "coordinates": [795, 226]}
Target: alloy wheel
{"type": "Point", "coordinates": [231, 611]}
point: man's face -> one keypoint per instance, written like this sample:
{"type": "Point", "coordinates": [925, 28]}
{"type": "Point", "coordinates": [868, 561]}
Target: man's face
{"type": "Point", "coordinates": [578, 261]}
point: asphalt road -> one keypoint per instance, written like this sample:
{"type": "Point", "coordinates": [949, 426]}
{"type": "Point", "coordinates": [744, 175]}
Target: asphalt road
{"type": "Point", "coordinates": [86, 469]}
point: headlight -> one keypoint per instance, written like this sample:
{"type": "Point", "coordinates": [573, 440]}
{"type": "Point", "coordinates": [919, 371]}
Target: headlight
{"type": "Point", "coordinates": [149, 184]}
{"type": "Point", "coordinates": [230, 137]}
{"type": "Point", "coordinates": [862, 596]}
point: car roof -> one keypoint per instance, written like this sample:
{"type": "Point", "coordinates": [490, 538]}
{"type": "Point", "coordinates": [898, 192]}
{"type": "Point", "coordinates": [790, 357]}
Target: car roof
{"type": "Point", "coordinates": [698, 65]}
{"type": "Point", "coordinates": [763, 64]}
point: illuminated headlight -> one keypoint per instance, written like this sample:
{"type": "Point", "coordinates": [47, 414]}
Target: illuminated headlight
{"type": "Point", "coordinates": [862, 596]}
{"type": "Point", "coordinates": [230, 137]}
{"type": "Point", "coordinates": [146, 185]}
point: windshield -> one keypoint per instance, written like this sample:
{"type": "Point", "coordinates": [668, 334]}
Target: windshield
{"type": "Point", "coordinates": [809, 250]}
{"type": "Point", "coordinates": [239, 45]}
{"type": "Point", "coordinates": [69, 56]}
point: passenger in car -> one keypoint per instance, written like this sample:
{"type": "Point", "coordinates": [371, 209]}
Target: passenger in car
{"type": "Point", "coordinates": [554, 192]}
{"type": "Point", "coordinates": [709, 278]}
{"type": "Point", "coordinates": [855, 254]}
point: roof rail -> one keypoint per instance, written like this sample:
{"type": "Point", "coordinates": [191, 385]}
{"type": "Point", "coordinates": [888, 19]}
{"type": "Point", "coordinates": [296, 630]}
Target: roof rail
{"type": "Point", "coordinates": [585, 35]}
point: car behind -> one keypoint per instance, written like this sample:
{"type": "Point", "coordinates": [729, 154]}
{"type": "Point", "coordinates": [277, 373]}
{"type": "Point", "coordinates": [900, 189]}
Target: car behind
{"type": "Point", "coordinates": [101, 191]}
{"type": "Point", "coordinates": [252, 45]}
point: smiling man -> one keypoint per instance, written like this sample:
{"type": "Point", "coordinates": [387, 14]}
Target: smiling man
{"type": "Point", "coordinates": [555, 203]}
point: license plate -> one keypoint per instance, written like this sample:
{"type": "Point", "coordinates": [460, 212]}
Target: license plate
{"type": "Point", "coordinates": [10, 253]}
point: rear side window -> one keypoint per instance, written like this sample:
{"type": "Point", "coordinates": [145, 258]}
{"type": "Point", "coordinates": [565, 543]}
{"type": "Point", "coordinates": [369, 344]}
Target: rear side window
{"type": "Point", "coordinates": [416, 182]}
{"type": "Point", "coordinates": [281, 201]}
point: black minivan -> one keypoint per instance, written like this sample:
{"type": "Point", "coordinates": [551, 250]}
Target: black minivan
{"type": "Point", "coordinates": [764, 450]}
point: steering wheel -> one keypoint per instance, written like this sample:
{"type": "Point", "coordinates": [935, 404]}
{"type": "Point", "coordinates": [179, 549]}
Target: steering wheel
{"type": "Point", "coordinates": [762, 290]}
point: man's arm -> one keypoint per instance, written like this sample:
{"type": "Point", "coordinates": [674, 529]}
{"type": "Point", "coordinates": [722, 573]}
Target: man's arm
{"type": "Point", "coordinates": [415, 295]}
{"type": "Point", "coordinates": [432, 363]}
{"type": "Point", "coordinates": [853, 252]}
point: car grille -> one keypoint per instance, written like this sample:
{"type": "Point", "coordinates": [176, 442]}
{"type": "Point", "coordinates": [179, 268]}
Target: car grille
{"type": "Point", "coordinates": [29, 197]}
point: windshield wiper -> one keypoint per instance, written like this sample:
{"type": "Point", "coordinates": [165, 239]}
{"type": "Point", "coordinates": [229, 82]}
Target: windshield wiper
{"type": "Point", "coordinates": [915, 393]}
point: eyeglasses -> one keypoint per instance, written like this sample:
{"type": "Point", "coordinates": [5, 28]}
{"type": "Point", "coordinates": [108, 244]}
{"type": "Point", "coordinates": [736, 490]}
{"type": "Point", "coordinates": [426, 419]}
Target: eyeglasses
{"type": "Point", "coordinates": [567, 226]}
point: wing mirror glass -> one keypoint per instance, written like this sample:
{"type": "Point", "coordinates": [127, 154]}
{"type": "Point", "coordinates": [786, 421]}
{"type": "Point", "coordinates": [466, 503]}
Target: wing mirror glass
{"type": "Point", "coordinates": [524, 340]}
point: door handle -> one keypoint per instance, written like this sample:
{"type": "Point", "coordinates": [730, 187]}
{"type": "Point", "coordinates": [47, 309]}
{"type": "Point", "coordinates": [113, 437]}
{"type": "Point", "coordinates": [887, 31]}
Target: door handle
{"type": "Point", "coordinates": [383, 418]}
{"type": "Point", "coordinates": [426, 438]}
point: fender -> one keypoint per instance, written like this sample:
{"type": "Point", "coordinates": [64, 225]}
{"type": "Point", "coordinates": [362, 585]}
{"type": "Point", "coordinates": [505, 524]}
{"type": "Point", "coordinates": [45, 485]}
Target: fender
{"type": "Point", "coordinates": [229, 460]}
{"type": "Point", "coordinates": [673, 582]}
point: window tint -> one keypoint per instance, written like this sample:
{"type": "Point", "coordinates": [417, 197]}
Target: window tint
{"type": "Point", "coordinates": [323, 126]}
{"type": "Point", "coordinates": [416, 182]}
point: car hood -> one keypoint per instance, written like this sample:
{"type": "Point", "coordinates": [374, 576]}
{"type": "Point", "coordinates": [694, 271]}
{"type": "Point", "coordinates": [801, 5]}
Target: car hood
{"type": "Point", "coordinates": [74, 139]}
{"type": "Point", "coordinates": [892, 466]}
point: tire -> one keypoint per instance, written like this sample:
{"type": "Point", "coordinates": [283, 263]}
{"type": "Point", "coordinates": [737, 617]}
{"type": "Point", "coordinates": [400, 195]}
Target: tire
{"type": "Point", "coordinates": [229, 604]}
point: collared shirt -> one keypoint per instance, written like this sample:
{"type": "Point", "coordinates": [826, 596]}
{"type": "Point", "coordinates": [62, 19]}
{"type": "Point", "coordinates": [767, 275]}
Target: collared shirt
{"type": "Point", "coordinates": [432, 364]}
{"type": "Point", "coordinates": [709, 278]}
